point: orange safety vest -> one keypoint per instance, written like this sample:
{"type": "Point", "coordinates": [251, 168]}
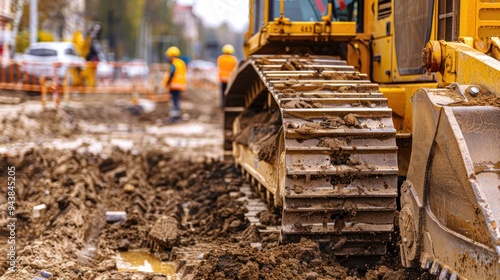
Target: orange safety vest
{"type": "Point", "coordinates": [179, 80]}
{"type": "Point", "coordinates": [226, 64]}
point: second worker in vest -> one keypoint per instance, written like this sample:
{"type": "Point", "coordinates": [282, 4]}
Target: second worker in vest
{"type": "Point", "coordinates": [226, 64]}
{"type": "Point", "coordinates": [175, 81]}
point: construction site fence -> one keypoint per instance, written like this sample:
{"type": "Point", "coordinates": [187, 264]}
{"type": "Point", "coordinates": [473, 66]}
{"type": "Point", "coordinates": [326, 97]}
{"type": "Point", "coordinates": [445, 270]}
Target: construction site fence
{"type": "Point", "coordinates": [60, 80]}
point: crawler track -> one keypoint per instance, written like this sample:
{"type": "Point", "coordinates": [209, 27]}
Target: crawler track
{"type": "Point", "coordinates": [317, 139]}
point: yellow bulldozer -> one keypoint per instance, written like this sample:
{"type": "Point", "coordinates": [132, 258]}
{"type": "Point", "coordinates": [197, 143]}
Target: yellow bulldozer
{"type": "Point", "coordinates": [350, 114]}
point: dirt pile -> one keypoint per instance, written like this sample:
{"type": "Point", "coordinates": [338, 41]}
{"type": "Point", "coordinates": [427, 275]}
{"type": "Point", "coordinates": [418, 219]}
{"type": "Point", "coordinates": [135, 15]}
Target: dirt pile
{"type": "Point", "coordinates": [303, 260]}
{"type": "Point", "coordinates": [292, 261]}
{"type": "Point", "coordinates": [72, 188]}
{"type": "Point", "coordinates": [72, 238]}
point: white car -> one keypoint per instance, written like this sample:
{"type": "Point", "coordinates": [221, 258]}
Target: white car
{"type": "Point", "coordinates": [40, 58]}
{"type": "Point", "coordinates": [202, 65]}
{"type": "Point", "coordinates": [135, 68]}
{"type": "Point", "coordinates": [202, 71]}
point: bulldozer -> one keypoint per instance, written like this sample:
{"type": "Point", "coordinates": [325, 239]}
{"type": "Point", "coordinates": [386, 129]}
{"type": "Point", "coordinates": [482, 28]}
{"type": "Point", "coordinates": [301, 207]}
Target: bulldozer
{"type": "Point", "coordinates": [355, 118]}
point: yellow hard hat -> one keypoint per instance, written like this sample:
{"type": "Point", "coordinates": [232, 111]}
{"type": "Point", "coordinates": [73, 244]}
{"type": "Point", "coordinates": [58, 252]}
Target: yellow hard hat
{"type": "Point", "coordinates": [173, 51]}
{"type": "Point", "coordinates": [228, 49]}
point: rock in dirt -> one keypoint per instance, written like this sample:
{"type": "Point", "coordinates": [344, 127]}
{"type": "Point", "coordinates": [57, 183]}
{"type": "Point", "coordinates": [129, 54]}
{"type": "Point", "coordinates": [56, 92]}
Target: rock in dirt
{"type": "Point", "coordinates": [256, 245]}
{"type": "Point", "coordinates": [165, 232]}
{"type": "Point", "coordinates": [351, 120]}
{"type": "Point", "coordinates": [107, 265]}
{"type": "Point", "coordinates": [123, 245]}
{"type": "Point", "coordinates": [129, 188]}
{"type": "Point", "coordinates": [250, 271]}
{"type": "Point", "coordinates": [45, 274]}
{"type": "Point", "coordinates": [37, 264]}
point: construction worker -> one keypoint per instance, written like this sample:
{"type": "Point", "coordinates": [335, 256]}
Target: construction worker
{"type": "Point", "coordinates": [226, 64]}
{"type": "Point", "coordinates": [175, 82]}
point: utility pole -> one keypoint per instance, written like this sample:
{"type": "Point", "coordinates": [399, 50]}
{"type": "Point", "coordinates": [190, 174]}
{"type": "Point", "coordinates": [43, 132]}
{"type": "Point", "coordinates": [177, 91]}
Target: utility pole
{"type": "Point", "coordinates": [33, 21]}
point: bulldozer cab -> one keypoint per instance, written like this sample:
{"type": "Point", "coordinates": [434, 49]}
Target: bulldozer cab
{"type": "Point", "coordinates": [293, 26]}
{"type": "Point", "coordinates": [310, 10]}
{"type": "Point", "coordinates": [299, 10]}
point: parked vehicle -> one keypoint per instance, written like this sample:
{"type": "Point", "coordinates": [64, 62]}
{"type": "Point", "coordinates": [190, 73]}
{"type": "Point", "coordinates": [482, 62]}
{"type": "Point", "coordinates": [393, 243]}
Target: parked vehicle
{"type": "Point", "coordinates": [135, 68]}
{"type": "Point", "coordinates": [40, 59]}
{"type": "Point", "coordinates": [202, 65]}
{"type": "Point", "coordinates": [202, 71]}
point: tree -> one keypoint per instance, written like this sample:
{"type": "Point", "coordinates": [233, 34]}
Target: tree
{"type": "Point", "coordinates": [120, 20]}
{"type": "Point", "coordinates": [159, 15]}
{"type": "Point", "coordinates": [122, 29]}
{"type": "Point", "coordinates": [18, 13]}
{"type": "Point", "coordinates": [51, 15]}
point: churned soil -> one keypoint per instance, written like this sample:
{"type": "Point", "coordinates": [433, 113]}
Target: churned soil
{"type": "Point", "coordinates": [183, 202]}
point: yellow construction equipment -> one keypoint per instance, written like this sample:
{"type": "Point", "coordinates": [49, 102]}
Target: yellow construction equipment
{"type": "Point", "coordinates": [89, 47]}
{"type": "Point", "coordinates": [337, 101]}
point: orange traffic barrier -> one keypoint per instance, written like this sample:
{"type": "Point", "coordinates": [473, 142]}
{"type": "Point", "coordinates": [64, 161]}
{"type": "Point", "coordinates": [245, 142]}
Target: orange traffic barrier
{"type": "Point", "coordinates": [63, 79]}
{"type": "Point", "coordinates": [43, 92]}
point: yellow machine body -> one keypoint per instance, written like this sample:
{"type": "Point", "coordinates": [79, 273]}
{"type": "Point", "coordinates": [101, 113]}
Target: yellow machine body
{"type": "Point", "coordinates": [329, 111]}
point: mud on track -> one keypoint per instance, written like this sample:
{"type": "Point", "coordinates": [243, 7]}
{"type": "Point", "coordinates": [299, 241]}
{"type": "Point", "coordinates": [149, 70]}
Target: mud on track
{"type": "Point", "coordinates": [97, 156]}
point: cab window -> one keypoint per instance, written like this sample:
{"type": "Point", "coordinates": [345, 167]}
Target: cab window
{"type": "Point", "coordinates": [346, 10]}
{"type": "Point", "coordinates": [258, 15]}
{"type": "Point", "coordinates": [298, 10]}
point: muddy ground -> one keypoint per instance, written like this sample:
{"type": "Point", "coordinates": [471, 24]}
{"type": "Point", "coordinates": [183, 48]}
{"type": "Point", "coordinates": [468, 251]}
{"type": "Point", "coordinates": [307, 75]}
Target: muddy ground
{"type": "Point", "coordinates": [182, 201]}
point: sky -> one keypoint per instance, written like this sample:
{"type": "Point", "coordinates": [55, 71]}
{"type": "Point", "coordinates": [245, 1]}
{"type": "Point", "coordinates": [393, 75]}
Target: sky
{"type": "Point", "coordinates": [215, 12]}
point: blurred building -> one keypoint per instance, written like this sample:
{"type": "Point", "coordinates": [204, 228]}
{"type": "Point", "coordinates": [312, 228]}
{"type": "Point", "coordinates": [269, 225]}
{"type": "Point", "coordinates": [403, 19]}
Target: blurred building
{"type": "Point", "coordinates": [67, 20]}
{"type": "Point", "coordinates": [184, 17]}
{"type": "Point", "coordinates": [6, 17]}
